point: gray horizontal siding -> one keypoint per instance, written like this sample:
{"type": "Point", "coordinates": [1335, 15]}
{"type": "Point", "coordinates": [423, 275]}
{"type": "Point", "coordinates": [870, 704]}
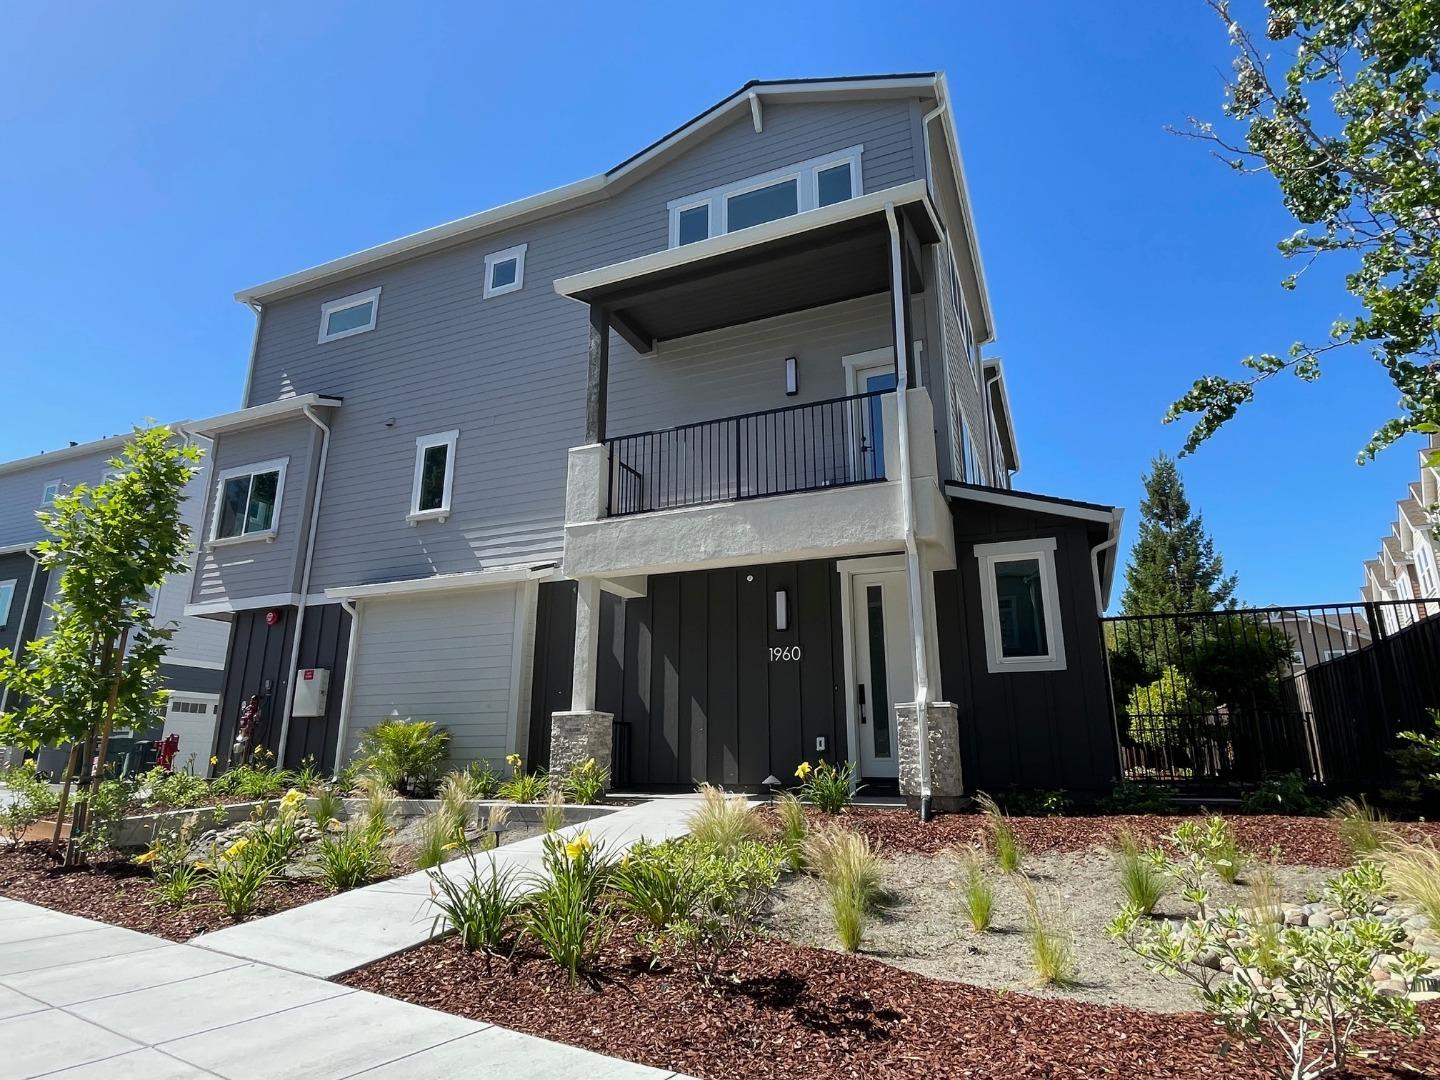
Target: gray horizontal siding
{"type": "Point", "coordinates": [448, 659]}
{"type": "Point", "coordinates": [510, 372]}
{"type": "Point", "coordinates": [258, 567]}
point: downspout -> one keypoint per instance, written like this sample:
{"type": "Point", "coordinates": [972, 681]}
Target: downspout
{"type": "Point", "coordinates": [1095, 553]}
{"type": "Point", "coordinates": [912, 548]}
{"type": "Point", "coordinates": [24, 618]}
{"type": "Point", "coordinates": [309, 411]}
{"type": "Point", "coordinates": [353, 609]}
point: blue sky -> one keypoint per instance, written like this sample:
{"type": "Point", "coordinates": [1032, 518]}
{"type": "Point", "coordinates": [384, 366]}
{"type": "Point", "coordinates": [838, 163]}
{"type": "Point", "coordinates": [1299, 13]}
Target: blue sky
{"type": "Point", "coordinates": [160, 156]}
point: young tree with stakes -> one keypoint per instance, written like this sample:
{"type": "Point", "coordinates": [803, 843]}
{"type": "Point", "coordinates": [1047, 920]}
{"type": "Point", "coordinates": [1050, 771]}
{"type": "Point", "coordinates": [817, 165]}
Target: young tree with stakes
{"type": "Point", "coordinates": [111, 546]}
{"type": "Point", "coordinates": [1350, 130]}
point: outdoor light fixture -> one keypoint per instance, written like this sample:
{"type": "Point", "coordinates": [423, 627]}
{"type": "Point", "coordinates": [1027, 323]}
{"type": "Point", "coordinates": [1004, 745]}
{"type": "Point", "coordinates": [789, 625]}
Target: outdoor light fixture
{"type": "Point", "coordinates": [792, 377]}
{"type": "Point", "coordinates": [782, 609]}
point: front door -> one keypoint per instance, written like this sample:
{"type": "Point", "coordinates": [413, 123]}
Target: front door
{"type": "Point", "coordinates": [872, 380]}
{"type": "Point", "coordinates": [880, 612]}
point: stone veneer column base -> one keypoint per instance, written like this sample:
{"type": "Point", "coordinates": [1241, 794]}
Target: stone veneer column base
{"type": "Point", "coordinates": [577, 736]}
{"type": "Point", "coordinates": [946, 784]}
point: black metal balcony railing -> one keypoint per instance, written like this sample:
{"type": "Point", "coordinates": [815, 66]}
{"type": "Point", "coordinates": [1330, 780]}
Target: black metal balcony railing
{"type": "Point", "coordinates": [823, 444]}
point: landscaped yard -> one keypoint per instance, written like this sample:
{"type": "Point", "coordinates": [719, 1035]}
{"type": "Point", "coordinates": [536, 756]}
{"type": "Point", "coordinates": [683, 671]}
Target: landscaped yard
{"type": "Point", "coordinates": [926, 994]}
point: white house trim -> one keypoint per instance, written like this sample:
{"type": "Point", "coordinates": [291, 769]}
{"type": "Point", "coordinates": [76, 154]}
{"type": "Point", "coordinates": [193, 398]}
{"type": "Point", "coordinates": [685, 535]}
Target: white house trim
{"type": "Point", "coordinates": [259, 414]}
{"type": "Point", "coordinates": [518, 254]}
{"type": "Point", "coordinates": [242, 603]}
{"type": "Point", "coordinates": [1026, 502]}
{"type": "Point", "coordinates": [447, 439]}
{"type": "Point", "coordinates": [469, 579]}
{"type": "Point", "coordinates": [1041, 549]}
{"type": "Point", "coordinates": [344, 303]}
{"type": "Point", "coordinates": [275, 465]}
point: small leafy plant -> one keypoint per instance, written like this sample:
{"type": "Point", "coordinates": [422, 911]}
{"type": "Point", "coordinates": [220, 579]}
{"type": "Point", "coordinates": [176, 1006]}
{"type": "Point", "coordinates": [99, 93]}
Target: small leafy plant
{"type": "Point", "coordinates": [30, 801]}
{"type": "Point", "coordinates": [567, 916]}
{"type": "Point", "coordinates": [825, 787]}
{"type": "Point", "coordinates": [1284, 794]}
{"type": "Point", "coordinates": [168, 857]}
{"type": "Point", "coordinates": [482, 775]}
{"type": "Point", "coordinates": [239, 873]}
{"type": "Point", "coordinates": [585, 784]}
{"type": "Point", "coordinates": [350, 858]}
{"type": "Point", "coordinates": [1008, 850]}
{"type": "Point", "coordinates": [1215, 844]}
{"type": "Point", "coordinates": [406, 754]}
{"type": "Point", "coordinates": [479, 908]}
{"type": "Point", "coordinates": [523, 787]}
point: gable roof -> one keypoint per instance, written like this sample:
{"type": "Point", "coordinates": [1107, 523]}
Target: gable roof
{"type": "Point", "coordinates": [748, 98]}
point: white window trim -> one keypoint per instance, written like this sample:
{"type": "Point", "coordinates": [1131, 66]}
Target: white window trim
{"type": "Point", "coordinates": [806, 173]}
{"type": "Point", "coordinates": [518, 254]}
{"type": "Point", "coordinates": [1043, 551]}
{"type": "Point", "coordinates": [268, 535]}
{"type": "Point", "coordinates": [7, 590]}
{"type": "Point", "coordinates": [58, 485]}
{"type": "Point", "coordinates": [371, 296]}
{"type": "Point", "coordinates": [423, 443]}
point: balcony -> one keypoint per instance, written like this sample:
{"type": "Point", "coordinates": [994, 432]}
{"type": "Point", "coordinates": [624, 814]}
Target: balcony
{"type": "Point", "coordinates": [819, 445]}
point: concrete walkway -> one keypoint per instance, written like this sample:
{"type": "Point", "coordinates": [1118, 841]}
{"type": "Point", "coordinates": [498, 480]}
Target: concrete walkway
{"type": "Point", "coordinates": [80, 1000]}
{"type": "Point", "coordinates": [343, 932]}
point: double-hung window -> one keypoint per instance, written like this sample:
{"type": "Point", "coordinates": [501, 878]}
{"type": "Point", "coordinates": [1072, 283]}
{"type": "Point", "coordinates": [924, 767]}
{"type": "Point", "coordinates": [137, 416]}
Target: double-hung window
{"type": "Point", "coordinates": [505, 271]}
{"type": "Point", "coordinates": [247, 502]}
{"type": "Point", "coordinates": [770, 196]}
{"type": "Point", "coordinates": [434, 476]}
{"type": "Point", "coordinates": [7, 601]}
{"type": "Point", "coordinates": [349, 315]}
{"type": "Point", "coordinates": [1020, 606]}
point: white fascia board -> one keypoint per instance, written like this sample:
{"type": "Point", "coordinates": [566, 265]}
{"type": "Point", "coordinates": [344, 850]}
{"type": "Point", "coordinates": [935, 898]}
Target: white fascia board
{"type": "Point", "coordinates": [999, 366]}
{"type": "Point", "coordinates": [15, 549]}
{"type": "Point", "coordinates": [1043, 506]}
{"type": "Point", "coordinates": [795, 224]}
{"type": "Point", "coordinates": [573, 194]}
{"type": "Point", "coordinates": [260, 414]}
{"type": "Point", "coordinates": [470, 579]}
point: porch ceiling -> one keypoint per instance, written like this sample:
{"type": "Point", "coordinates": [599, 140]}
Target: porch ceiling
{"type": "Point", "coordinates": [809, 260]}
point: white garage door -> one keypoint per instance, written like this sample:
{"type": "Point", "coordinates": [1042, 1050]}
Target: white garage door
{"type": "Point", "coordinates": [193, 717]}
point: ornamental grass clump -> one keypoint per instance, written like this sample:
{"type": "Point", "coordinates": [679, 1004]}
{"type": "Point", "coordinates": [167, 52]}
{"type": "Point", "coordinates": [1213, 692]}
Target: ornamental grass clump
{"type": "Point", "coordinates": [724, 820]}
{"type": "Point", "coordinates": [1052, 952]}
{"type": "Point", "coordinates": [326, 805]}
{"type": "Point", "coordinates": [825, 787]}
{"type": "Point", "coordinates": [352, 857]}
{"type": "Point", "coordinates": [1009, 852]}
{"type": "Point", "coordinates": [794, 828]}
{"type": "Point", "coordinates": [977, 894]}
{"type": "Point", "coordinates": [567, 916]}
{"type": "Point", "coordinates": [552, 813]}
{"type": "Point", "coordinates": [1413, 871]}
{"type": "Point", "coordinates": [1361, 828]}
{"type": "Point", "coordinates": [480, 908]}
{"type": "Point", "coordinates": [854, 876]}
{"type": "Point", "coordinates": [1141, 873]}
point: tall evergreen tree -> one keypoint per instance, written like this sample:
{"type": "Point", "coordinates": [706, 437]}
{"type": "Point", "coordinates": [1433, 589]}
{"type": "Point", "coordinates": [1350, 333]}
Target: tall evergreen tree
{"type": "Point", "coordinates": [1173, 566]}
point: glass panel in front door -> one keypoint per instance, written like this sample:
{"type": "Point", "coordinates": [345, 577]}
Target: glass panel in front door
{"type": "Point", "coordinates": [879, 681]}
{"type": "Point", "coordinates": [874, 457]}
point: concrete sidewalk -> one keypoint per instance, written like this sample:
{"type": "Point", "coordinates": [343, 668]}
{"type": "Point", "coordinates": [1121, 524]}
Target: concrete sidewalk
{"type": "Point", "coordinates": [88, 1001]}
{"type": "Point", "coordinates": [343, 932]}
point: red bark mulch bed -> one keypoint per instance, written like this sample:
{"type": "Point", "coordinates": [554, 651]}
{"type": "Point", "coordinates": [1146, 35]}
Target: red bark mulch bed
{"type": "Point", "coordinates": [1310, 841]}
{"type": "Point", "coordinates": [116, 891]}
{"type": "Point", "coordinates": [792, 1012]}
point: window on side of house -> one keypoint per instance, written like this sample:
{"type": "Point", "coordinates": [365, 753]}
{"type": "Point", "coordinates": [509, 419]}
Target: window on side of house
{"type": "Point", "coordinates": [505, 271]}
{"type": "Point", "coordinates": [247, 502]}
{"type": "Point", "coordinates": [349, 315]}
{"type": "Point", "coordinates": [780, 193]}
{"type": "Point", "coordinates": [434, 476]}
{"type": "Point", "coordinates": [1020, 606]}
{"type": "Point", "coordinates": [7, 601]}
{"type": "Point", "coordinates": [51, 491]}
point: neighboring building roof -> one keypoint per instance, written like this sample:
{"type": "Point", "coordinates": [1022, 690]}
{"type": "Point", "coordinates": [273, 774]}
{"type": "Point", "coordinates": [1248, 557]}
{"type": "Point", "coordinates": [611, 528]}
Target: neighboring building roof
{"type": "Point", "coordinates": [994, 373]}
{"type": "Point", "coordinates": [748, 99]}
{"type": "Point", "coordinates": [1414, 512]}
{"type": "Point", "coordinates": [78, 450]}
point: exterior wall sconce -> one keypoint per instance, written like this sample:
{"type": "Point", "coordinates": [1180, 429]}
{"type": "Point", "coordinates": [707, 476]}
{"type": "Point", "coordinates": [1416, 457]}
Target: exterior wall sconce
{"type": "Point", "coordinates": [792, 377]}
{"type": "Point", "coordinates": [782, 609]}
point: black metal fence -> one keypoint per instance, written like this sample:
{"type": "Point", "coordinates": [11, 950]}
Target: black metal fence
{"type": "Point", "coordinates": [776, 452]}
{"type": "Point", "coordinates": [1206, 698]}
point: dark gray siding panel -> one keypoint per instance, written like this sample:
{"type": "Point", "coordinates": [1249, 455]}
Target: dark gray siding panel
{"type": "Point", "coordinates": [1040, 729]}
{"type": "Point", "coordinates": [195, 680]}
{"type": "Point", "coordinates": [26, 606]}
{"type": "Point", "coordinates": [553, 665]}
{"type": "Point", "coordinates": [324, 643]}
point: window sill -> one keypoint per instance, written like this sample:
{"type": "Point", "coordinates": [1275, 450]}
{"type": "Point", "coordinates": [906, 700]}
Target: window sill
{"type": "Point", "coordinates": [1038, 663]}
{"type": "Point", "coordinates": [246, 538]}
{"type": "Point", "coordinates": [417, 516]}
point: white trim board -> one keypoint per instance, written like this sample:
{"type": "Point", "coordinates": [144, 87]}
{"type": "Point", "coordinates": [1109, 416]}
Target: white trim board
{"type": "Point", "coordinates": [424, 443]}
{"type": "Point", "coordinates": [470, 579]}
{"type": "Point", "coordinates": [1021, 501]}
{"type": "Point", "coordinates": [259, 468]}
{"type": "Point", "coordinates": [259, 414]}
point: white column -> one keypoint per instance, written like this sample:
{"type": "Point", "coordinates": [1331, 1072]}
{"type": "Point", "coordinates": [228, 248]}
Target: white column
{"type": "Point", "coordinates": [587, 645]}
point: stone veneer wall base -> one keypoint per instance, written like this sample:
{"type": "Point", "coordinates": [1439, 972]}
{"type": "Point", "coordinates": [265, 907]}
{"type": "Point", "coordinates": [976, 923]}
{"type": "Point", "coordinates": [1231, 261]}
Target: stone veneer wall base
{"type": "Point", "coordinates": [947, 788]}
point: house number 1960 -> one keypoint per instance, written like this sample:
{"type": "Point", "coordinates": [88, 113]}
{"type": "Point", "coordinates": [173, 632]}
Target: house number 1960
{"type": "Point", "coordinates": [787, 652]}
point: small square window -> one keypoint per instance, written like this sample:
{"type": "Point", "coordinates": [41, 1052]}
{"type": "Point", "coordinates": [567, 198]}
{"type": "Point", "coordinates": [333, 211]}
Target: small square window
{"type": "Point", "coordinates": [505, 271]}
{"type": "Point", "coordinates": [833, 184]}
{"type": "Point", "coordinates": [434, 476]}
{"type": "Point", "coordinates": [7, 599]}
{"type": "Point", "coordinates": [350, 315]}
{"type": "Point", "coordinates": [247, 505]}
{"type": "Point", "coordinates": [51, 492]}
{"type": "Point", "coordinates": [1020, 606]}
{"type": "Point", "coordinates": [694, 225]}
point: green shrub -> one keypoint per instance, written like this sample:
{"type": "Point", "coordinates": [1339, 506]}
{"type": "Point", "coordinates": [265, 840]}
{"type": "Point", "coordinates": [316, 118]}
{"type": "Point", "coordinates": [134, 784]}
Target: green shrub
{"type": "Point", "coordinates": [825, 787]}
{"type": "Point", "coordinates": [479, 908]}
{"type": "Point", "coordinates": [1361, 828]}
{"type": "Point", "coordinates": [113, 801]}
{"type": "Point", "coordinates": [1128, 797]}
{"type": "Point", "coordinates": [585, 784]}
{"type": "Point", "coordinates": [350, 858]}
{"type": "Point", "coordinates": [406, 754]}
{"type": "Point", "coordinates": [566, 915]}
{"type": "Point", "coordinates": [523, 787]}
{"type": "Point", "coordinates": [482, 775]}
{"type": "Point", "coordinates": [1026, 802]}
{"type": "Point", "coordinates": [1009, 852]}
{"type": "Point", "coordinates": [976, 892]}
{"type": "Point", "coordinates": [1215, 843]}
{"type": "Point", "coordinates": [30, 800]}
{"type": "Point", "coordinates": [168, 857]}
{"type": "Point", "coordinates": [793, 828]}
{"type": "Point", "coordinates": [168, 790]}
{"type": "Point", "coordinates": [724, 820]}
{"type": "Point", "coordinates": [1281, 795]}
{"type": "Point", "coordinates": [255, 781]}
{"type": "Point", "coordinates": [662, 884]}
{"type": "Point", "coordinates": [238, 875]}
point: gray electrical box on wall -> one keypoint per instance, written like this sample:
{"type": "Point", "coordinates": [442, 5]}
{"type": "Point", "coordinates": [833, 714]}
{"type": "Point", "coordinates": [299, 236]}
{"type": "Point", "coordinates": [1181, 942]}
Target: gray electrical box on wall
{"type": "Point", "coordinates": [312, 691]}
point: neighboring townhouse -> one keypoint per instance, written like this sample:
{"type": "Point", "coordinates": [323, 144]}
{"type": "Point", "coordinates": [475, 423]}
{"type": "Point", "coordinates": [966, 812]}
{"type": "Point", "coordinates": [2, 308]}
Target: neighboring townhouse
{"type": "Point", "coordinates": [194, 668]}
{"type": "Point", "coordinates": [695, 463]}
{"type": "Point", "coordinates": [1406, 570]}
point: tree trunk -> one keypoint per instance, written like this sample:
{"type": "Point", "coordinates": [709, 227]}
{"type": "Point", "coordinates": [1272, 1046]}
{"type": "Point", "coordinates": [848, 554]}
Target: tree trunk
{"type": "Point", "coordinates": [97, 771]}
{"type": "Point", "coordinates": [70, 767]}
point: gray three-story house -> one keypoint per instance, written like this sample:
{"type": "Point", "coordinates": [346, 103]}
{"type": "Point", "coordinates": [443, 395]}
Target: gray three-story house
{"type": "Point", "coordinates": [701, 451]}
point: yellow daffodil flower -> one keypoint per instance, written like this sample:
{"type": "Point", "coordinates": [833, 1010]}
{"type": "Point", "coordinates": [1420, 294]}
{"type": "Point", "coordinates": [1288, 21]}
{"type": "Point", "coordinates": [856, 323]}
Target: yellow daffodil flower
{"type": "Point", "coordinates": [803, 770]}
{"type": "Point", "coordinates": [290, 800]}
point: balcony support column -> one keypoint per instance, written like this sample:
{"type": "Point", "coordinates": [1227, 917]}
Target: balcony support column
{"type": "Point", "coordinates": [599, 386]}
